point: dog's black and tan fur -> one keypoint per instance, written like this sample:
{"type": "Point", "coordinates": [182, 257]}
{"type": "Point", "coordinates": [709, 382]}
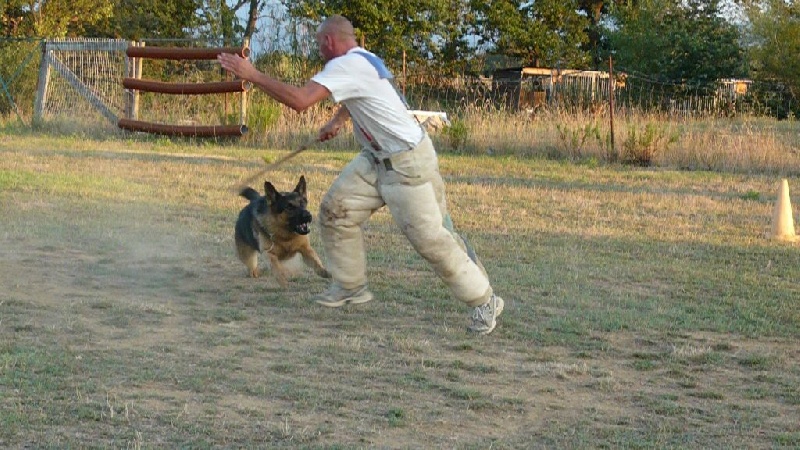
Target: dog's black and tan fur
{"type": "Point", "coordinates": [277, 224]}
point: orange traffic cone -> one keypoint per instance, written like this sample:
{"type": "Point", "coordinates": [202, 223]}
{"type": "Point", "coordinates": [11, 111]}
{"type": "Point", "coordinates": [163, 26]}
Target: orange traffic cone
{"type": "Point", "coordinates": [782, 220]}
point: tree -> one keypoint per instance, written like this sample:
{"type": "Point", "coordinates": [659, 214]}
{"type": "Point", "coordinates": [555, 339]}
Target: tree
{"type": "Point", "coordinates": [52, 18]}
{"type": "Point", "coordinates": [148, 19]}
{"type": "Point", "coordinates": [215, 21]}
{"type": "Point", "coordinates": [596, 11]}
{"type": "Point", "coordinates": [424, 29]}
{"type": "Point", "coordinates": [255, 6]}
{"type": "Point", "coordinates": [453, 52]}
{"type": "Point", "coordinates": [683, 41]}
{"type": "Point", "coordinates": [775, 29]}
{"type": "Point", "coordinates": [540, 33]}
{"type": "Point", "coordinates": [128, 19]}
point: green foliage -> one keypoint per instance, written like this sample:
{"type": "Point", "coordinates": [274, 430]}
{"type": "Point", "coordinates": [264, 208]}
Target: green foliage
{"type": "Point", "coordinates": [757, 361]}
{"type": "Point", "coordinates": [425, 29]}
{"type": "Point", "coordinates": [262, 115]}
{"type": "Point", "coordinates": [574, 138]}
{"type": "Point", "coordinates": [127, 19]}
{"type": "Point", "coordinates": [288, 67]}
{"type": "Point", "coordinates": [545, 33]}
{"type": "Point", "coordinates": [675, 40]}
{"type": "Point", "coordinates": [751, 195]}
{"type": "Point", "coordinates": [52, 18]}
{"type": "Point", "coordinates": [151, 19]}
{"type": "Point", "coordinates": [776, 41]}
{"type": "Point", "coordinates": [456, 134]}
{"type": "Point", "coordinates": [643, 144]}
{"type": "Point", "coordinates": [595, 11]}
{"type": "Point", "coordinates": [396, 417]}
{"type": "Point", "coordinates": [219, 20]}
{"type": "Point", "coordinates": [18, 74]}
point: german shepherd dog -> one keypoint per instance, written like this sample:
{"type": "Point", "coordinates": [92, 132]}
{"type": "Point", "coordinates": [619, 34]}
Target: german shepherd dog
{"type": "Point", "coordinates": [277, 224]}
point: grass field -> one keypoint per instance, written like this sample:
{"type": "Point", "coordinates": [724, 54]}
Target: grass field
{"type": "Point", "coordinates": [645, 308]}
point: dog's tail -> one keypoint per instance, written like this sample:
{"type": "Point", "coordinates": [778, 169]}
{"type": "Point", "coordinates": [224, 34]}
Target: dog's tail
{"type": "Point", "coordinates": [249, 193]}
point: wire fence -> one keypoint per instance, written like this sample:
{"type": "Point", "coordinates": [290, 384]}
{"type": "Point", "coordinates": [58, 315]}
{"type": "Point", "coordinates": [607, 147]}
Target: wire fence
{"type": "Point", "coordinates": [101, 68]}
{"type": "Point", "coordinates": [19, 67]}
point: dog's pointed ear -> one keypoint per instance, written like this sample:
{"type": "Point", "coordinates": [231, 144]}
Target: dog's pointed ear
{"type": "Point", "coordinates": [270, 192]}
{"type": "Point", "coordinates": [301, 186]}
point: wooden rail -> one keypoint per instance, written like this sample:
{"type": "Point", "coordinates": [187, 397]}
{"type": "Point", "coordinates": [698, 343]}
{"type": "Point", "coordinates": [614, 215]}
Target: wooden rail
{"type": "Point", "coordinates": [182, 130]}
{"type": "Point", "coordinates": [218, 87]}
{"type": "Point", "coordinates": [184, 52]}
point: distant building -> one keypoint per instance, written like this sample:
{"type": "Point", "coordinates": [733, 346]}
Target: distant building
{"type": "Point", "coordinates": [530, 88]}
{"type": "Point", "coordinates": [734, 87]}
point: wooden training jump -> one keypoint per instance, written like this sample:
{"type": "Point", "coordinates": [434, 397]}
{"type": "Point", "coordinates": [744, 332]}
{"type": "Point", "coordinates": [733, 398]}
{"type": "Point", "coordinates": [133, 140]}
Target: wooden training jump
{"type": "Point", "coordinates": [183, 130]}
{"type": "Point", "coordinates": [135, 84]}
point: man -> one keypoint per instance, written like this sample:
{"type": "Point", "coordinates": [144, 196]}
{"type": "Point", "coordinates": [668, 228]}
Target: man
{"type": "Point", "coordinates": [397, 167]}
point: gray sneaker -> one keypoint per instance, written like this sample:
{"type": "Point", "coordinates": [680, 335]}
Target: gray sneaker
{"type": "Point", "coordinates": [484, 317]}
{"type": "Point", "coordinates": [336, 296]}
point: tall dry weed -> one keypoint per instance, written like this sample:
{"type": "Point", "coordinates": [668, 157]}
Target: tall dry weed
{"type": "Point", "coordinates": [739, 144]}
{"type": "Point", "coordinates": [753, 145]}
{"type": "Point", "coordinates": [744, 146]}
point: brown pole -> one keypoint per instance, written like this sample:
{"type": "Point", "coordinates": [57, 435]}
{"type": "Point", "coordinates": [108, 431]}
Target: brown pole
{"type": "Point", "coordinates": [242, 98]}
{"type": "Point", "coordinates": [185, 88]}
{"type": "Point", "coordinates": [611, 103]}
{"type": "Point", "coordinates": [184, 52]}
{"type": "Point", "coordinates": [182, 130]}
{"type": "Point", "coordinates": [404, 72]}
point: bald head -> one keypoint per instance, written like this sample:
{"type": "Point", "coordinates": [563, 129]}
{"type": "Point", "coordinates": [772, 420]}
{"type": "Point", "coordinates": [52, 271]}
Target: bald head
{"type": "Point", "coordinates": [337, 26]}
{"type": "Point", "coordinates": [335, 37]}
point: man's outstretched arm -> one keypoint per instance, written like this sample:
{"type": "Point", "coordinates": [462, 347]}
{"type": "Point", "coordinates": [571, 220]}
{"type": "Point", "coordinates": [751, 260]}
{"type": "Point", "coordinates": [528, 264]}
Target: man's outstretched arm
{"type": "Point", "coordinates": [297, 98]}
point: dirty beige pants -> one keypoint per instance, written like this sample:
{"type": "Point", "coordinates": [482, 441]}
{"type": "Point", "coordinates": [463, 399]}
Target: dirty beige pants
{"type": "Point", "coordinates": [413, 191]}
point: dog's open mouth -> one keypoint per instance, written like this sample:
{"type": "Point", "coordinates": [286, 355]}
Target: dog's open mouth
{"type": "Point", "coordinates": [303, 228]}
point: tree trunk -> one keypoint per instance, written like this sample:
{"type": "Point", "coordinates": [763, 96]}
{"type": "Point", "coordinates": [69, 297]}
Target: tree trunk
{"type": "Point", "coordinates": [252, 15]}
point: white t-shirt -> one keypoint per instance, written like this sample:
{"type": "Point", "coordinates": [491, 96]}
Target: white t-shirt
{"type": "Point", "coordinates": [380, 118]}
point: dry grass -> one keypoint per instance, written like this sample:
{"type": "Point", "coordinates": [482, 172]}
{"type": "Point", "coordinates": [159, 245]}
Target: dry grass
{"type": "Point", "coordinates": [645, 308]}
{"type": "Point", "coordinates": [744, 145]}
{"type": "Point", "coordinates": [740, 145]}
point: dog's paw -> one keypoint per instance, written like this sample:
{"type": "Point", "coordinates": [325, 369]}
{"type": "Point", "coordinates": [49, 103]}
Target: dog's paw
{"type": "Point", "coordinates": [324, 273]}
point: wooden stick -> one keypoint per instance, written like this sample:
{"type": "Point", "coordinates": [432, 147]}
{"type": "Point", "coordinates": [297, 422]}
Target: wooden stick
{"type": "Point", "coordinates": [246, 182]}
